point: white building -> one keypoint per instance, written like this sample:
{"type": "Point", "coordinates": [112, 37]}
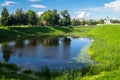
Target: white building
{"type": "Point", "coordinates": [107, 20]}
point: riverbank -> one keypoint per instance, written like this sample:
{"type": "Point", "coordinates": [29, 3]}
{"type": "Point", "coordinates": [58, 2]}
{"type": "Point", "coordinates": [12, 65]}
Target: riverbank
{"type": "Point", "coordinates": [8, 32]}
{"type": "Point", "coordinates": [45, 73]}
{"type": "Point", "coordinates": [104, 50]}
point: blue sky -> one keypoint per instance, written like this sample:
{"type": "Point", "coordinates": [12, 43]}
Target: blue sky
{"type": "Point", "coordinates": [91, 9]}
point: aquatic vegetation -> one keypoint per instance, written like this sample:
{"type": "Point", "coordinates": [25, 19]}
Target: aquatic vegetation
{"type": "Point", "coordinates": [83, 56]}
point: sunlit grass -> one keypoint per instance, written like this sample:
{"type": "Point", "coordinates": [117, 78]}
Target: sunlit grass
{"type": "Point", "coordinates": [105, 50]}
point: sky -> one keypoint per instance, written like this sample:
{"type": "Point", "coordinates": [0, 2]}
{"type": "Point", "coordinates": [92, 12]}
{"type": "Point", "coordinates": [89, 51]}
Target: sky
{"type": "Point", "coordinates": [88, 9]}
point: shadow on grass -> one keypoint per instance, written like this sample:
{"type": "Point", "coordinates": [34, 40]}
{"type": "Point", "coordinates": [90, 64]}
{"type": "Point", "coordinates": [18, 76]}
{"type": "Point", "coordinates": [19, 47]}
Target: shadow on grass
{"type": "Point", "coordinates": [31, 30]}
{"type": "Point", "coordinates": [7, 33]}
{"type": "Point", "coordinates": [64, 29]}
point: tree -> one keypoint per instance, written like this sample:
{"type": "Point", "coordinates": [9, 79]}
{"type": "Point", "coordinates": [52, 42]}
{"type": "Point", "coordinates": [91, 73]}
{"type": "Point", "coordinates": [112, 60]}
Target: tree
{"type": "Point", "coordinates": [75, 22]}
{"type": "Point", "coordinates": [82, 22]}
{"type": "Point", "coordinates": [91, 22]}
{"type": "Point", "coordinates": [66, 20]}
{"type": "Point", "coordinates": [4, 17]}
{"type": "Point", "coordinates": [56, 16]}
{"type": "Point", "coordinates": [11, 20]}
{"type": "Point", "coordinates": [21, 17]}
{"type": "Point", "coordinates": [115, 21]}
{"type": "Point", "coordinates": [50, 18]}
{"type": "Point", "coordinates": [32, 17]}
{"type": "Point", "coordinates": [101, 21]}
{"type": "Point", "coordinates": [47, 18]}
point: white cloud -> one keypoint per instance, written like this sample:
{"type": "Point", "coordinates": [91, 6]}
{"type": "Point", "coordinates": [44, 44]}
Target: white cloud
{"type": "Point", "coordinates": [96, 9]}
{"type": "Point", "coordinates": [99, 9]}
{"type": "Point", "coordinates": [39, 13]}
{"type": "Point", "coordinates": [34, 0]}
{"type": "Point", "coordinates": [38, 6]}
{"type": "Point", "coordinates": [7, 3]}
{"type": "Point", "coordinates": [115, 5]}
{"type": "Point", "coordinates": [82, 15]}
{"type": "Point", "coordinates": [111, 9]}
{"type": "Point", "coordinates": [114, 18]}
{"type": "Point", "coordinates": [108, 7]}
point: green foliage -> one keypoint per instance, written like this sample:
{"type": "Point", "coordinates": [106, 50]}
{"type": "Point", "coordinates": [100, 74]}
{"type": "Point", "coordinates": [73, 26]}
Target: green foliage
{"type": "Point", "coordinates": [66, 20]}
{"type": "Point", "coordinates": [32, 17]}
{"type": "Point", "coordinates": [57, 17]}
{"type": "Point", "coordinates": [90, 70]}
{"type": "Point", "coordinates": [9, 67]}
{"type": "Point", "coordinates": [50, 18]}
{"type": "Point", "coordinates": [10, 76]}
{"type": "Point", "coordinates": [20, 17]}
{"type": "Point", "coordinates": [12, 20]}
{"type": "Point", "coordinates": [28, 71]}
{"type": "Point", "coordinates": [105, 50]}
{"type": "Point", "coordinates": [101, 21]}
{"type": "Point", "coordinates": [75, 22]}
{"type": "Point", "coordinates": [12, 67]}
{"type": "Point", "coordinates": [114, 21]}
{"type": "Point", "coordinates": [4, 17]}
{"type": "Point", "coordinates": [92, 22]}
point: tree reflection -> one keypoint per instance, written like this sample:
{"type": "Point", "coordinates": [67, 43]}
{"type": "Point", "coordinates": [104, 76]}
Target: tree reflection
{"type": "Point", "coordinates": [50, 41]}
{"type": "Point", "coordinates": [66, 41]}
{"type": "Point", "coordinates": [33, 42]}
{"type": "Point", "coordinates": [19, 44]}
{"type": "Point", "coordinates": [28, 47]}
{"type": "Point", "coordinates": [7, 51]}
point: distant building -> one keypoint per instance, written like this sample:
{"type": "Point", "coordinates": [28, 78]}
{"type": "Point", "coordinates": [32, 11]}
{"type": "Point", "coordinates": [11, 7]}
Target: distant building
{"type": "Point", "coordinates": [86, 24]}
{"type": "Point", "coordinates": [107, 20]}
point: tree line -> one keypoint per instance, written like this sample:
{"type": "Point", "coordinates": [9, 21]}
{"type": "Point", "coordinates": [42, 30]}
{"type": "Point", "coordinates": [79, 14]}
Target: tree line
{"type": "Point", "coordinates": [48, 18]}
{"type": "Point", "coordinates": [76, 22]}
{"type": "Point", "coordinates": [18, 17]}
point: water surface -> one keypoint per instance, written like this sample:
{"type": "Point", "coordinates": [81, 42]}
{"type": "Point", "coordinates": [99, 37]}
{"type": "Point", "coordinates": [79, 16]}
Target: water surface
{"type": "Point", "coordinates": [36, 52]}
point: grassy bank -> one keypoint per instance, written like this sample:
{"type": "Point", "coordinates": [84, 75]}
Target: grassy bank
{"type": "Point", "coordinates": [6, 32]}
{"type": "Point", "coordinates": [105, 50]}
{"type": "Point", "coordinates": [44, 74]}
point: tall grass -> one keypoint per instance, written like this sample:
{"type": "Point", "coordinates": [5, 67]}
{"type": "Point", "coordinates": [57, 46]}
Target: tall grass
{"type": "Point", "coordinates": [106, 51]}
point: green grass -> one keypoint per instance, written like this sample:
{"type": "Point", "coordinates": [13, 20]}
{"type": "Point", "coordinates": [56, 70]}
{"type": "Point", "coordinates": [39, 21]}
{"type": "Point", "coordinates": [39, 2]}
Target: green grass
{"type": "Point", "coordinates": [8, 32]}
{"type": "Point", "coordinates": [105, 50]}
{"type": "Point", "coordinates": [14, 32]}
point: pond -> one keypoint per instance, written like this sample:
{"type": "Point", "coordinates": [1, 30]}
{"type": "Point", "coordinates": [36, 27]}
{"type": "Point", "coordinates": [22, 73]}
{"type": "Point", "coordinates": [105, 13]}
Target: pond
{"type": "Point", "coordinates": [36, 52]}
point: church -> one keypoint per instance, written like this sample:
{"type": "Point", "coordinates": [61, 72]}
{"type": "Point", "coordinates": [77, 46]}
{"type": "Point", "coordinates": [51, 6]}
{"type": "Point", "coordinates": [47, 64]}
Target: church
{"type": "Point", "coordinates": [107, 21]}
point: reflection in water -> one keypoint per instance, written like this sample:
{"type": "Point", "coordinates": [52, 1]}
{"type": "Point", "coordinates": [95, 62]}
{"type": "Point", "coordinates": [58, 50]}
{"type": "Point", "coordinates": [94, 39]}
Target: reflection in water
{"type": "Point", "coordinates": [52, 41]}
{"type": "Point", "coordinates": [40, 51]}
{"type": "Point", "coordinates": [33, 42]}
{"type": "Point", "coordinates": [19, 44]}
{"type": "Point", "coordinates": [6, 56]}
{"type": "Point", "coordinates": [66, 41]}
{"type": "Point", "coordinates": [6, 49]}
